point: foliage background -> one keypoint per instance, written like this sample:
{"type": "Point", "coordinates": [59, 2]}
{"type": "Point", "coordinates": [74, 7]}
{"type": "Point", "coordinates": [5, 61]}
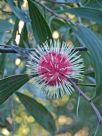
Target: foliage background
{"type": "Point", "coordinates": [29, 23]}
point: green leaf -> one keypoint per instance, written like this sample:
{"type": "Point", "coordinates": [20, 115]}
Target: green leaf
{"type": "Point", "coordinates": [57, 24]}
{"type": "Point", "coordinates": [24, 40]}
{"type": "Point", "coordinates": [20, 14]}
{"type": "Point", "coordinates": [2, 63]}
{"type": "Point", "coordinates": [87, 13]}
{"type": "Point", "coordinates": [10, 85]}
{"type": "Point", "coordinates": [39, 112]}
{"type": "Point", "coordinates": [40, 27]}
{"type": "Point", "coordinates": [90, 40]}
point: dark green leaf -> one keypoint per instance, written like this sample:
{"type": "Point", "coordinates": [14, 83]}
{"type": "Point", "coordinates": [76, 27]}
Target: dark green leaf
{"type": "Point", "coordinates": [10, 85]}
{"type": "Point", "coordinates": [57, 24]}
{"type": "Point", "coordinates": [87, 13]}
{"type": "Point", "coordinates": [38, 111]}
{"type": "Point", "coordinates": [20, 14]}
{"type": "Point", "coordinates": [24, 38]}
{"type": "Point", "coordinates": [2, 63]}
{"type": "Point", "coordinates": [90, 40]}
{"type": "Point", "coordinates": [40, 27]}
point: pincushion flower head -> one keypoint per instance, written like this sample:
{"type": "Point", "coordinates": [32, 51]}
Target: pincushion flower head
{"type": "Point", "coordinates": [53, 63]}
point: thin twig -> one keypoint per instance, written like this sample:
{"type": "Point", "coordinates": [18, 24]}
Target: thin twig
{"type": "Point", "coordinates": [95, 109]}
{"type": "Point", "coordinates": [8, 49]}
{"type": "Point", "coordinates": [66, 19]}
{"type": "Point", "coordinates": [88, 85]}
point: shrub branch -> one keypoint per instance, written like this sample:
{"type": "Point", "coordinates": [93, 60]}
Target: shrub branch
{"type": "Point", "coordinates": [8, 49]}
{"type": "Point", "coordinates": [95, 109]}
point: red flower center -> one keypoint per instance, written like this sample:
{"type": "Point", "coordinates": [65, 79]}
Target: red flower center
{"type": "Point", "coordinates": [53, 68]}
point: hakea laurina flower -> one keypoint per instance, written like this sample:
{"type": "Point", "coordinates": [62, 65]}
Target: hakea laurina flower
{"type": "Point", "coordinates": [54, 63]}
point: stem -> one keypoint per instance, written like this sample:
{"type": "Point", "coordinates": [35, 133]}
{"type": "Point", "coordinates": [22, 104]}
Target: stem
{"type": "Point", "coordinates": [90, 85]}
{"type": "Point", "coordinates": [66, 19]}
{"type": "Point", "coordinates": [98, 114]}
{"type": "Point", "coordinates": [8, 49]}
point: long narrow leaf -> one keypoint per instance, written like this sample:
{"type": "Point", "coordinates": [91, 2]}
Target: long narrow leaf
{"type": "Point", "coordinates": [90, 40]}
{"type": "Point", "coordinates": [10, 85]}
{"type": "Point", "coordinates": [39, 112]}
{"type": "Point", "coordinates": [40, 27]}
{"type": "Point", "coordinates": [87, 13]}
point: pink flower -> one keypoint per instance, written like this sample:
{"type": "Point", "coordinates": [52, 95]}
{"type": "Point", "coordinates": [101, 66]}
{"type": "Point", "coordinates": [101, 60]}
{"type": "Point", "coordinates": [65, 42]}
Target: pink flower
{"type": "Point", "coordinates": [54, 63]}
